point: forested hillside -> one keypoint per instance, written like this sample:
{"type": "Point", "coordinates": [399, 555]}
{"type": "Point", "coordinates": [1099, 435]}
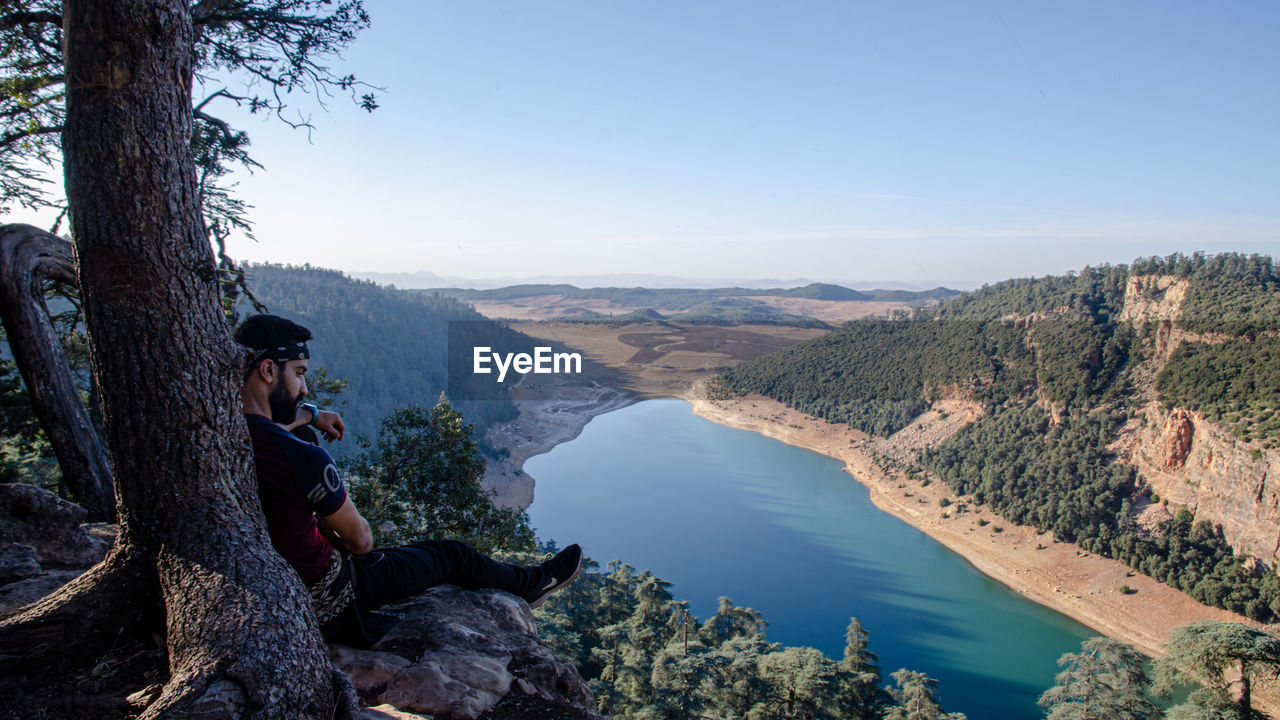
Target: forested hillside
{"type": "Point", "coordinates": [1231, 294]}
{"type": "Point", "coordinates": [1059, 372]}
{"type": "Point", "coordinates": [1236, 300]}
{"type": "Point", "coordinates": [389, 346]}
{"type": "Point", "coordinates": [1055, 336]}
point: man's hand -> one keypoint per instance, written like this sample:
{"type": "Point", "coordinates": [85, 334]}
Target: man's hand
{"type": "Point", "coordinates": [330, 425]}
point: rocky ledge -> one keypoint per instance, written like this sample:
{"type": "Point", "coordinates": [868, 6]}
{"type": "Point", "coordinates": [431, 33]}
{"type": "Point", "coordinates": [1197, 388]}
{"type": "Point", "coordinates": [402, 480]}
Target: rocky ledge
{"type": "Point", "coordinates": [458, 654]}
{"type": "Point", "coordinates": [455, 655]}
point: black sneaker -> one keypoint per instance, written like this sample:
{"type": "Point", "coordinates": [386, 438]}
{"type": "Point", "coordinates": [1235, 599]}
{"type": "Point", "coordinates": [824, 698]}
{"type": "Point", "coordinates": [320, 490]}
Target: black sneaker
{"type": "Point", "coordinates": [560, 571]}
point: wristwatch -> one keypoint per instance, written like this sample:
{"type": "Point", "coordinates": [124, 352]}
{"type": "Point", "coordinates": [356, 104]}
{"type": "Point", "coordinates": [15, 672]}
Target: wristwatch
{"type": "Point", "coordinates": [315, 413]}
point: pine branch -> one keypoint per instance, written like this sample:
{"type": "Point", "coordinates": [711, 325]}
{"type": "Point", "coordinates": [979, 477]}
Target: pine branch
{"type": "Point", "coordinates": [16, 19]}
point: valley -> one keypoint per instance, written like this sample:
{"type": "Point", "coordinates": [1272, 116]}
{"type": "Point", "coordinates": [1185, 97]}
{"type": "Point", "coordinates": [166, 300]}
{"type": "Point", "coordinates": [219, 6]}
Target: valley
{"type": "Point", "coordinates": [1187, 460]}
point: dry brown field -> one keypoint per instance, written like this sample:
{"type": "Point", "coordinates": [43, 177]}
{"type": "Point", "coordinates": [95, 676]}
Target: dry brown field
{"type": "Point", "coordinates": [664, 359]}
{"type": "Point", "coordinates": [549, 307]}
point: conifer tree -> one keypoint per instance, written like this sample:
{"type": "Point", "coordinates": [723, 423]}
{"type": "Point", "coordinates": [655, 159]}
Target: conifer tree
{"type": "Point", "coordinates": [192, 549]}
{"type": "Point", "coordinates": [1219, 655]}
{"type": "Point", "coordinates": [806, 683]}
{"type": "Point", "coordinates": [684, 682]}
{"type": "Point", "coordinates": [916, 698]}
{"type": "Point", "coordinates": [743, 691]}
{"type": "Point", "coordinates": [1105, 679]}
{"type": "Point", "coordinates": [421, 478]}
{"type": "Point", "coordinates": [731, 621]}
{"type": "Point", "coordinates": [629, 648]}
{"type": "Point", "coordinates": [860, 673]}
{"type": "Point", "coordinates": [1206, 704]}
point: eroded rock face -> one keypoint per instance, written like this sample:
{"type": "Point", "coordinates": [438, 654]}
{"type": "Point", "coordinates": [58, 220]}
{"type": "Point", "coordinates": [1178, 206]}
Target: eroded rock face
{"type": "Point", "coordinates": [1186, 460]}
{"type": "Point", "coordinates": [1152, 517]}
{"type": "Point", "coordinates": [1176, 438]}
{"type": "Point", "coordinates": [1153, 298]}
{"type": "Point", "coordinates": [33, 516]}
{"type": "Point", "coordinates": [1190, 462]}
{"type": "Point", "coordinates": [457, 653]}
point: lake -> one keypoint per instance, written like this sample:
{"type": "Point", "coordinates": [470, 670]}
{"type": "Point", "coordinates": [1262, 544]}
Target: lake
{"type": "Point", "coordinates": [719, 511]}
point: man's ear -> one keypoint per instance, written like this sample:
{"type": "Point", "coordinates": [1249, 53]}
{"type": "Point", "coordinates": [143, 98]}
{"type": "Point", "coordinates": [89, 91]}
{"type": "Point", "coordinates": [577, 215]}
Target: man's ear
{"type": "Point", "coordinates": [267, 371]}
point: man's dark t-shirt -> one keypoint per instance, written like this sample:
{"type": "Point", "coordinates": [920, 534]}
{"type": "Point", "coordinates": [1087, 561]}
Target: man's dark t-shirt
{"type": "Point", "coordinates": [296, 482]}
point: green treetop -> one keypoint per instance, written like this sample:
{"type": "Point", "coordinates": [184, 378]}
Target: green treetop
{"type": "Point", "coordinates": [1219, 655]}
{"type": "Point", "coordinates": [1105, 679]}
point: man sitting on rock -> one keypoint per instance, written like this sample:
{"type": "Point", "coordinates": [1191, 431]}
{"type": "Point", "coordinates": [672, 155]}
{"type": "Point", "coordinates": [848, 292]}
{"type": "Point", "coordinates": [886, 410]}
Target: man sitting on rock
{"type": "Point", "coordinates": [313, 523]}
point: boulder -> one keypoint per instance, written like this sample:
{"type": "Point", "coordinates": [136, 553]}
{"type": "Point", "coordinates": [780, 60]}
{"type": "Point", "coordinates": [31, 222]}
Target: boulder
{"type": "Point", "coordinates": [24, 592]}
{"type": "Point", "coordinates": [43, 544]}
{"type": "Point", "coordinates": [33, 516]}
{"type": "Point", "coordinates": [18, 562]}
{"type": "Point", "coordinates": [458, 653]}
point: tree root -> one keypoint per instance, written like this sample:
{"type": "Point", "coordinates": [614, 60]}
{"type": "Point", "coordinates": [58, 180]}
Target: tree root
{"type": "Point", "coordinates": [242, 641]}
{"type": "Point", "coordinates": [232, 652]}
{"type": "Point", "coordinates": [346, 701]}
{"type": "Point", "coordinates": [223, 699]}
{"type": "Point", "coordinates": [82, 617]}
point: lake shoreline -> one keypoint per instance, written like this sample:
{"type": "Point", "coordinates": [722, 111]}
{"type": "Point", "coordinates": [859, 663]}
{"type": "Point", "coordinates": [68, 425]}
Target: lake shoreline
{"type": "Point", "coordinates": [542, 425]}
{"type": "Point", "coordinates": [1058, 575]}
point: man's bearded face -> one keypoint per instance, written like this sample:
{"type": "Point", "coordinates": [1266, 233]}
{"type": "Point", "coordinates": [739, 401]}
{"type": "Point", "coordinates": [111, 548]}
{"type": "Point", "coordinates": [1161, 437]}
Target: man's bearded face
{"type": "Point", "coordinates": [283, 403]}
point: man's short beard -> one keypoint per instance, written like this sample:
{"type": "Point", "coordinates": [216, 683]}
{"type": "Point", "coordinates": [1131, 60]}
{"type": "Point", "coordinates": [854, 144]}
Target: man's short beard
{"type": "Point", "coordinates": [284, 407]}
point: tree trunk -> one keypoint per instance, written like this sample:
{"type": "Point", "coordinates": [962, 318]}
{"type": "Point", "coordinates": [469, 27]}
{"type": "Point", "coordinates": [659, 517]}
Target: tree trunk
{"type": "Point", "coordinates": [241, 636]}
{"type": "Point", "coordinates": [29, 256]}
{"type": "Point", "coordinates": [1244, 709]}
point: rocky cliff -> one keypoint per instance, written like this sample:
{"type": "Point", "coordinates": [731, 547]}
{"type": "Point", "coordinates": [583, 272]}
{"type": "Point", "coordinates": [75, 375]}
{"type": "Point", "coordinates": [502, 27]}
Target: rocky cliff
{"type": "Point", "coordinates": [1190, 462]}
{"type": "Point", "coordinates": [1182, 457]}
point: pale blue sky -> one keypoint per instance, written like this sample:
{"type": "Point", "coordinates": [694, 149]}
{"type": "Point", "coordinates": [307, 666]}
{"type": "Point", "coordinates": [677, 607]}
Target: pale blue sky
{"type": "Point", "coordinates": [925, 142]}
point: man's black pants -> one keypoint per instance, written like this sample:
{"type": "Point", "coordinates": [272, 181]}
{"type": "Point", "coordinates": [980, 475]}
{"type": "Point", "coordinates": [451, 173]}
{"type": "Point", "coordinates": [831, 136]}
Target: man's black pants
{"type": "Point", "coordinates": [390, 575]}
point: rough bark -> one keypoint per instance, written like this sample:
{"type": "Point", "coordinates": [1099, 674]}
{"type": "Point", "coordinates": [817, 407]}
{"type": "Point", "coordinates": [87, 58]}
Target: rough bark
{"type": "Point", "coordinates": [241, 637]}
{"type": "Point", "coordinates": [28, 257]}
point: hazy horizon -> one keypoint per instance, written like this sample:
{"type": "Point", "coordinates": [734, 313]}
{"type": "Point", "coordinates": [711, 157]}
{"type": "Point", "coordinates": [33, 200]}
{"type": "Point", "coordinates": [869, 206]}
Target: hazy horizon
{"type": "Point", "coordinates": [930, 143]}
{"type": "Point", "coordinates": [428, 280]}
{"type": "Point", "coordinates": [425, 279]}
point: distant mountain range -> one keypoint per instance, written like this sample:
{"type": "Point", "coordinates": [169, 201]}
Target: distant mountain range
{"type": "Point", "coordinates": [685, 298]}
{"type": "Point", "coordinates": [423, 280]}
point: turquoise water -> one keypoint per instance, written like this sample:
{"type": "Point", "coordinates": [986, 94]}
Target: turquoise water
{"type": "Point", "coordinates": [719, 511]}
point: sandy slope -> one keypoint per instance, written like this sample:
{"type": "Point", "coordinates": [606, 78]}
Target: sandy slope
{"type": "Point", "coordinates": [1058, 575]}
